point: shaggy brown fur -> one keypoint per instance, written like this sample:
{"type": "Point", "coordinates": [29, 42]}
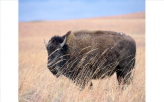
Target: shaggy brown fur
{"type": "Point", "coordinates": [96, 54]}
{"type": "Point", "coordinates": [77, 40]}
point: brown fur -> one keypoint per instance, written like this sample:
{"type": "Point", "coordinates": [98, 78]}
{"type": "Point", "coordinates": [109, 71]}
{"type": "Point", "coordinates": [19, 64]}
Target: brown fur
{"type": "Point", "coordinates": [94, 55]}
{"type": "Point", "coordinates": [100, 40]}
{"type": "Point", "coordinates": [120, 51]}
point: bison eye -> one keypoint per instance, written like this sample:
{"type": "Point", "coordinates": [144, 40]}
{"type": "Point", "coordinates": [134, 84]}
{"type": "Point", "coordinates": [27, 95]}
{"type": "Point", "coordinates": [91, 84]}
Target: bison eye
{"type": "Point", "coordinates": [51, 47]}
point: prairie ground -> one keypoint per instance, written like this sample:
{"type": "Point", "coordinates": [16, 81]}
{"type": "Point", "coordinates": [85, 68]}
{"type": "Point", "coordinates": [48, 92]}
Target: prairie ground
{"type": "Point", "coordinates": [37, 84]}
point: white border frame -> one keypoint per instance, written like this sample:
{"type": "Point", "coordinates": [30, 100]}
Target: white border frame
{"type": "Point", "coordinates": [9, 51]}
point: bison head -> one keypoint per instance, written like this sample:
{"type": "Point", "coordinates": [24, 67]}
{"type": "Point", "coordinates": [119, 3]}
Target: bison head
{"type": "Point", "coordinates": [56, 49]}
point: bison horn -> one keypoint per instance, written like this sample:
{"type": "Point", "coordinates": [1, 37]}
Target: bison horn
{"type": "Point", "coordinates": [63, 43]}
{"type": "Point", "coordinates": [45, 43]}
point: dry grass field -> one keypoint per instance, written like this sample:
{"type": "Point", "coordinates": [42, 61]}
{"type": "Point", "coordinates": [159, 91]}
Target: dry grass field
{"type": "Point", "coordinates": [37, 84]}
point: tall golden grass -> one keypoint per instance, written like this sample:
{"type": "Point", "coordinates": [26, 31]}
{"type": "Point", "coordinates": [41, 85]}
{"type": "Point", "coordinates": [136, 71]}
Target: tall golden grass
{"type": "Point", "coordinates": [37, 83]}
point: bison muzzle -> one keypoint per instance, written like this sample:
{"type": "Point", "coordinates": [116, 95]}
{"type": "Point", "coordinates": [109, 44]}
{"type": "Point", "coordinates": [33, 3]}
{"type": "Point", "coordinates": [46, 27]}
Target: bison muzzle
{"type": "Point", "coordinates": [85, 55]}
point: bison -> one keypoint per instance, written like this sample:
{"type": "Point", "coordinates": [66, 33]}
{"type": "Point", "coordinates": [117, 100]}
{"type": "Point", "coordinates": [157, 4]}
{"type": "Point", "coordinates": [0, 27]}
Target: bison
{"type": "Point", "coordinates": [85, 55]}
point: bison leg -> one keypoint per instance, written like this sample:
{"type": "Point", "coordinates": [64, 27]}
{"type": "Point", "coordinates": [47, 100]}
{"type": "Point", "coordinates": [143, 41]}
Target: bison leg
{"type": "Point", "coordinates": [124, 72]}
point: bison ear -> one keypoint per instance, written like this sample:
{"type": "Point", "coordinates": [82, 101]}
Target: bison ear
{"type": "Point", "coordinates": [45, 43]}
{"type": "Point", "coordinates": [63, 43]}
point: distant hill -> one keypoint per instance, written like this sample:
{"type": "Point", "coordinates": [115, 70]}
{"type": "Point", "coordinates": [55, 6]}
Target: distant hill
{"type": "Point", "coordinates": [130, 24]}
{"type": "Point", "coordinates": [126, 16]}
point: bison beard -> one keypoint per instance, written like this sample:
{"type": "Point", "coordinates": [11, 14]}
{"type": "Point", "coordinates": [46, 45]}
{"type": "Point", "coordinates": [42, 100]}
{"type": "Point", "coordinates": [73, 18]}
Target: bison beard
{"type": "Point", "coordinates": [85, 55]}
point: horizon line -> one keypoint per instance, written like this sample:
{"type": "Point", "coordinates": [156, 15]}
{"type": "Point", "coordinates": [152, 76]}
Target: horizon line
{"type": "Point", "coordinates": [84, 17]}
